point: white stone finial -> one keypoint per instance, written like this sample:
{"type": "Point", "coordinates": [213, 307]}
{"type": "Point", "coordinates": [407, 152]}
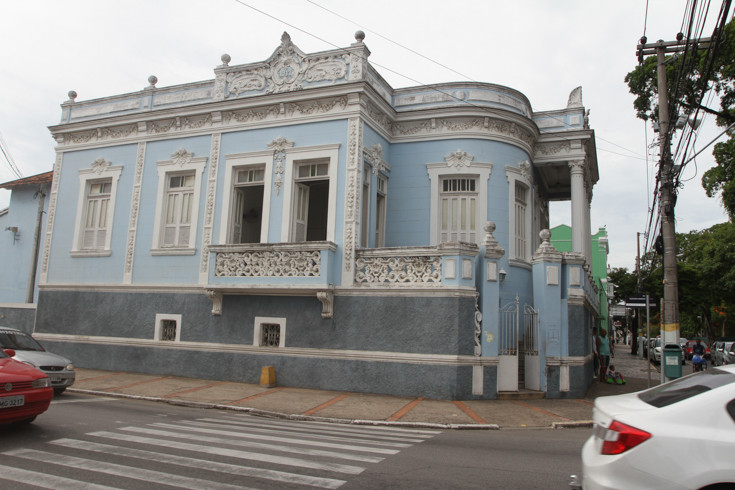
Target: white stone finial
{"type": "Point", "coordinates": [359, 36]}
{"type": "Point", "coordinates": [492, 247]}
{"type": "Point", "coordinates": [72, 95]}
{"type": "Point", "coordinates": [225, 59]}
{"type": "Point", "coordinates": [575, 98]}
{"type": "Point", "coordinates": [152, 80]}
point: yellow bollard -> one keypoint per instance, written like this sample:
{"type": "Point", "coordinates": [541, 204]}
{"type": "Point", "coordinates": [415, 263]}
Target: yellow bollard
{"type": "Point", "coordinates": [268, 377]}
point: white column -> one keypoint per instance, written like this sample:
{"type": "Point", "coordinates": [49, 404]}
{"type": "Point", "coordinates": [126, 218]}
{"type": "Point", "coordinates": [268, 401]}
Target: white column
{"type": "Point", "coordinates": [588, 227]}
{"type": "Point", "coordinates": [580, 207]}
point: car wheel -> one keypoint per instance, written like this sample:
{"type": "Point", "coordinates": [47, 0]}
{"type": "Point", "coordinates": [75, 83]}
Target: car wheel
{"type": "Point", "coordinates": [59, 391]}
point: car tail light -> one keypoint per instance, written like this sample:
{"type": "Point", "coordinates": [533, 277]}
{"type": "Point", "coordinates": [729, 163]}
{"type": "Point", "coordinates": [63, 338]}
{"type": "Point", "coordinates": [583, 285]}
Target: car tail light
{"type": "Point", "coordinates": [619, 437]}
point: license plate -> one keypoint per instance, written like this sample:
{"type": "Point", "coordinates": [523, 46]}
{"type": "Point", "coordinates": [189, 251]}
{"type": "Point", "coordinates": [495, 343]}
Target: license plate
{"type": "Point", "coordinates": [12, 401]}
{"type": "Point", "coordinates": [54, 378]}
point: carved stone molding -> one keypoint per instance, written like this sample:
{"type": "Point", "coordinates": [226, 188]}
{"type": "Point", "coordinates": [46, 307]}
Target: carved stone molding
{"type": "Point", "coordinates": [459, 159]}
{"type": "Point", "coordinates": [481, 125]}
{"type": "Point", "coordinates": [327, 299]}
{"type": "Point", "coordinates": [216, 297]}
{"type": "Point", "coordinates": [287, 69]}
{"type": "Point", "coordinates": [478, 327]}
{"type": "Point", "coordinates": [279, 147]}
{"type": "Point", "coordinates": [268, 263]}
{"type": "Point", "coordinates": [182, 157]}
{"type": "Point", "coordinates": [399, 270]}
{"type": "Point", "coordinates": [100, 165]}
{"type": "Point", "coordinates": [374, 156]}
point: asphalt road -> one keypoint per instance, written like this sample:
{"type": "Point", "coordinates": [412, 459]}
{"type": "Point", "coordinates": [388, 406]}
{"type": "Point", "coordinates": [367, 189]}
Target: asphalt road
{"type": "Point", "coordinates": [97, 442]}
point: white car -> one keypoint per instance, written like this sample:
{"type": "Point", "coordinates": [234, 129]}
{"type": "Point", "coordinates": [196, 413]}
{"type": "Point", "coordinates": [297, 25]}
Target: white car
{"type": "Point", "coordinates": [60, 370]}
{"type": "Point", "coordinates": [678, 435]}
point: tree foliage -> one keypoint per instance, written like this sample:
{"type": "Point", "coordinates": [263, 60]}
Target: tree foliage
{"type": "Point", "coordinates": [706, 276]}
{"type": "Point", "coordinates": [690, 76]}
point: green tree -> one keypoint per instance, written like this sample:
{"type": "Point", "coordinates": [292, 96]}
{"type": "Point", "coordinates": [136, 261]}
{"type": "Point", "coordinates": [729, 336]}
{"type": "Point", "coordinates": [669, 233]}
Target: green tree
{"type": "Point", "coordinates": [690, 77]}
{"type": "Point", "coordinates": [707, 278]}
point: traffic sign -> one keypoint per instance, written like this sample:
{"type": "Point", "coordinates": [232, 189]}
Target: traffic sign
{"type": "Point", "coordinates": [639, 301]}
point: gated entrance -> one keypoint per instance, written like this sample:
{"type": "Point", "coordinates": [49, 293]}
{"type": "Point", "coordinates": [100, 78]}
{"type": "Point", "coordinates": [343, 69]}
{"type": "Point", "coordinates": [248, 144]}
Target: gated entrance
{"type": "Point", "coordinates": [519, 363]}
{"type": "Point", "coordinates": [508, 348]}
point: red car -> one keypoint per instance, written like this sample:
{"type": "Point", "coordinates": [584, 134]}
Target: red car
{"type": "Point", "coordinates": [25, 392]}
{"type": "Point", "coordinates": [687, 349]}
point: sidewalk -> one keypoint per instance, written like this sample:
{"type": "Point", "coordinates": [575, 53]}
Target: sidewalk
{"type": "Point", "coordinates": [362, 408]}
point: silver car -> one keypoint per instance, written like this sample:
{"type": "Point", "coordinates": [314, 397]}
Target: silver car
{"type": "Point", "coordinates": [60, 370]}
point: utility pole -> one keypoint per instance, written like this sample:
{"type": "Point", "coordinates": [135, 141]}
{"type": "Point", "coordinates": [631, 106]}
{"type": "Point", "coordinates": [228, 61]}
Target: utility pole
{"type": "Point", "coordinates": [667, 196]}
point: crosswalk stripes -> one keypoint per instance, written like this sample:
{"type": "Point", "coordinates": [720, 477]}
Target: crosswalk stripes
{"type": "Point", "coordinates": [218, 453]}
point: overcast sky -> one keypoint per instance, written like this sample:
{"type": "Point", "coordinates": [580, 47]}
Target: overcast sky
{"type": "Point", "coordinates": [542, 48]}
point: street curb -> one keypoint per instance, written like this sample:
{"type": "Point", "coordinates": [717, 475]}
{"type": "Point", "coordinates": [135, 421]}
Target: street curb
{"type": "Point", "coordinates": [279, 415]}
{"type": "Point", "coordinates": [573, 425]}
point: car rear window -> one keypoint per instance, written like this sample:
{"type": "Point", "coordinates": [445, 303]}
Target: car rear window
{"type": "Point", "coordinates": [686, 387]}
{"type": "Point", "coordinates": [18, 341]}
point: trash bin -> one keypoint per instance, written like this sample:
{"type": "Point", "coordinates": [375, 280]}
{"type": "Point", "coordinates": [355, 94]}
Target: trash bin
{"type": "Point", "coordinates": [672, 361]}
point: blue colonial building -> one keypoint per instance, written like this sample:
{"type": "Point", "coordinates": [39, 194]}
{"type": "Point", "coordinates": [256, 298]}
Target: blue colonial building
{"type": "Point", "coordinates": [301, 213]}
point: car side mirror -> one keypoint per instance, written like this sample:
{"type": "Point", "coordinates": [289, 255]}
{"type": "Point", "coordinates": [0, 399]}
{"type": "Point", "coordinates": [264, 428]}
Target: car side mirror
{"type": "Point", "coordinates": [9, 352]}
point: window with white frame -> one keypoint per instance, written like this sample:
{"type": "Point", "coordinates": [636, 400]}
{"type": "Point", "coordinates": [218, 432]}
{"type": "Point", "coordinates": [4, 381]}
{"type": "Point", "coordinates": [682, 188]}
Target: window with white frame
{"type": "Point", "coordinates": [520, 213]}
{"type": "Point", "coordinates": [519, 230]}
{"type": "Point", "coordinates": [310, 176]}
{"type": "Point", "coordinates": [177, 205]}
{"type": "Point", "coordinates": [95, 214]}
{"type": "Point", "coordinates": [311, 201]}
{"type": "Point", "coordinates": [458, 198]}
{"type": "Point", "coordinates": [95, 209]}
{"type": "Point", "coordinates": [247, 206]}
{"type": "Point", "coordinates": [167, 328]}
{"type": "Point", "coordinates": [365, 218]}
{"type": "Point", "coordinates": [380, 209]}
{"type": "Point", "coordinates": [269, 332]}
{"type": "Point", "coordinates": [246, 196]}
{"type": "Point", "coordinates": [458, 209]}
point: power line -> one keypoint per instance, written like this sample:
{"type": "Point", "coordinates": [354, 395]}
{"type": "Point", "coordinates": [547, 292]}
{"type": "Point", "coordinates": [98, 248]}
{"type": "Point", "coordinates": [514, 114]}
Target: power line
{"type": "Point", "coordinates": [407, 77]}
{"type": "Point", "coordinates": [9, 158]}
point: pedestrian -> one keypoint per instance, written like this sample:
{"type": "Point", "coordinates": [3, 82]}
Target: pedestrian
{"type": "Point", "coordinates": [603, 347]}
{"type": "Point", "coordinates": [596, 351]}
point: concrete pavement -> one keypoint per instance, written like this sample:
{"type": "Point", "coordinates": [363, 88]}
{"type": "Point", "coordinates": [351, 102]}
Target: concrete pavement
{"type": "Point", "coordinates": [363, 408]}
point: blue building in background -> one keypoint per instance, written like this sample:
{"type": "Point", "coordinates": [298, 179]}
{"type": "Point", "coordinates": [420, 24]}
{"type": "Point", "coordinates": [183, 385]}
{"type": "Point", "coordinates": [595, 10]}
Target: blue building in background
{"type": "Point", "coordinates": [301, 213]}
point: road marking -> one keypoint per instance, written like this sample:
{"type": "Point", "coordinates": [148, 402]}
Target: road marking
{"type": "Point", "coordinates": [310, 427]}
{"type": "Point", "coordinates": [258, 395]}
{"type": "Point", "coordinates": [280, 476]}
{"type": "Point", "coordinates": [234, 453]}
{"type": "Point", "coordinates": [540, 410]}
{"type": "Point", "coordinates": [470, 412]}
{"type": "Point", "coordinates": [192, 390]}
{"type": "Point", "coordinates": [119, 470]}
{"type": "Point", "coordinates": [257, 445]}
{"type": "Point", "coordinates": [43, 480]}
{"type": "Point", "coordinates": [326, 404]}
{"type": "Point", "coordinates": [252, 431]}
{"type": "Point", "coordinates": [402, 412]}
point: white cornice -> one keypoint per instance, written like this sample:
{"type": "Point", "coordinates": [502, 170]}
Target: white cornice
{"type": "Point", "coordinates": [334, 354]}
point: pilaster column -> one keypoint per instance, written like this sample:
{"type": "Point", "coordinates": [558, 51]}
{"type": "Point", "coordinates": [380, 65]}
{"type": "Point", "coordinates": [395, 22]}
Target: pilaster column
{"type": "Point", "coordinates": [580, 207]}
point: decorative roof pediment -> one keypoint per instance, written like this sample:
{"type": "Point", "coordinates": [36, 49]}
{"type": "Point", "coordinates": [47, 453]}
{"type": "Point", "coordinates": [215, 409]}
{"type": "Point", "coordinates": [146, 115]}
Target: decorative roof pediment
{"type": "Point", "coordinates": [286, 70]}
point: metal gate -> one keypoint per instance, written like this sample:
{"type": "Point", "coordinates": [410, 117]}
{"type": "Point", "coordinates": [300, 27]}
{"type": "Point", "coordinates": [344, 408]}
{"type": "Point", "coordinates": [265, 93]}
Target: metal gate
{"type": "Point", "coordinates": [531, 333]}
{"type": "Point", "coordinates": [508, 347]}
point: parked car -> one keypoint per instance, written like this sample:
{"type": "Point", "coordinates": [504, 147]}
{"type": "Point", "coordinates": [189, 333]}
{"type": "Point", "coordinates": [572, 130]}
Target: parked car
{"type": "Point", "coordinates": [637, 436]}
{"type": "Point", "coordinates": [688, 349]}
{"type": "Point", "coordinates": [727, 352]}
{"type": "Point", "coordinates": [25, 391]}
{"type": "Point", "coordinates": [718, 352]}
{"type": "Point", "coordinates": [60, 370]}
{"type": "Point", "coordinates": [730, 354]}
